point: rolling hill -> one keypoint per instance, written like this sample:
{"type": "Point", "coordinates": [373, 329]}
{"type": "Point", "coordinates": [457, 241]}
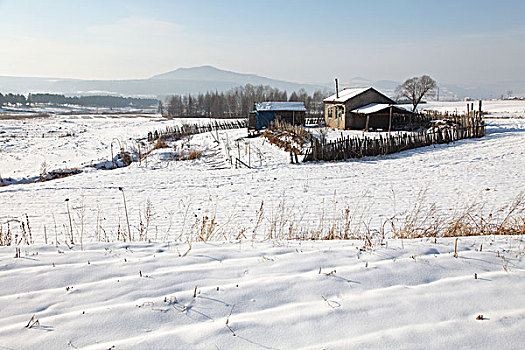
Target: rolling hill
{"type": "Point", "coordinates": [208, 78]}
{"type": "Point", "coordinates": [180, 81]}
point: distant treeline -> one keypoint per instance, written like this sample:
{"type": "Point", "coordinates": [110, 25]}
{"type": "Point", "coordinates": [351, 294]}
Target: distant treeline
{"type": "Point", "coordinates": [237, 102]}
{"type": "Point", "coordinates": [91, 101]}
{"type": "Point", "coordinates": [13, 99]}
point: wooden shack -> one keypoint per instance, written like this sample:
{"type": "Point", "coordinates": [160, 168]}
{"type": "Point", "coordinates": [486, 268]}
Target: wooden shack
{"type": "Point", "coordinates": [266, 112]}
{"type": "Point", "coordinates": [364, 109]}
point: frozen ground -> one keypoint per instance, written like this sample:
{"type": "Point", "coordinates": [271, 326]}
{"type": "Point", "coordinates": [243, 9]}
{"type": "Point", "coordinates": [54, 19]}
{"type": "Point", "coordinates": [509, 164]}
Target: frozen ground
{"type": "Point", "coordinates": [408, 294]}
{"type": "Point", "coordinates": [272, 294]}
{"type": "Point", "coordinates": [70, 141]}
{"type": "Point", "coordinates": [180, 194]}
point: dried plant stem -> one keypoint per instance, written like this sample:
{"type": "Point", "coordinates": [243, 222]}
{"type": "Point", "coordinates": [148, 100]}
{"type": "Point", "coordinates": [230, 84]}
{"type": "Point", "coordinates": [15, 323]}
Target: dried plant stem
{"type": "Point", "coordinates": [70, 222]}
{"type": "Point", "coordinates": [126, 210]}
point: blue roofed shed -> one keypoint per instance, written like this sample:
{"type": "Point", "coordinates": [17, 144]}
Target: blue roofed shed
{"type": "Point", "coordinates": [265, 113]}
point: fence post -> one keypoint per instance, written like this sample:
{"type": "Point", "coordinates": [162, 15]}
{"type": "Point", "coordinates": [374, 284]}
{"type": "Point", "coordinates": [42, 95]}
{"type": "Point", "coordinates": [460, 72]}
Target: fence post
{"type": "Point", "coordinates": [390, 120]}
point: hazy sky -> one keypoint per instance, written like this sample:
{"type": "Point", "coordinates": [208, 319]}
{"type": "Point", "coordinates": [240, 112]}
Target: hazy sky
{"type": "Point", "coordinates": [304, 41]}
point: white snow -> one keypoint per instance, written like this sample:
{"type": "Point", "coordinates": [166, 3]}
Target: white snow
{"type": "Point", "coordinates": [280, 106]}
{"type": "Point", "coordinates": [494, 108]}
{"type": "Point", "coordinates": [376, 107]}
{"type": "Point", "coordinates": [345, 94]}
{"type": "Point", "coordinates": [488, 171]}
{"type": "Point", "coordinates": [271, 295]}
{"type": "Point", "coordinates": [71, 141]}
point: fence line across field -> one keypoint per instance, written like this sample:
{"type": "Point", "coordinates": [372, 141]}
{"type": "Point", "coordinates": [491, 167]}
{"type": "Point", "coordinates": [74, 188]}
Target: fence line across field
{"type": "Point", "coordinates": [358, 147]}
{"type": "Point", "coordinates": [177, 132]}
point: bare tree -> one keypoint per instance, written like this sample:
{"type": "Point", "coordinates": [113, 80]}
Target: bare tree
{"type": "Point", "coordinates": [415, 88]}
{"type": "Point", "coordinates": [236, 102]}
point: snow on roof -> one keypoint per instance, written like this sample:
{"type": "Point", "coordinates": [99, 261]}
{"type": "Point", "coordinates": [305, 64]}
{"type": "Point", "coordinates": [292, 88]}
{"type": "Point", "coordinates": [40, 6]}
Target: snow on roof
{"type": "Point", "coordinates": [280, 106]}
{"type": "Point", "coordinates": [346, 94]}
{"type": "Point", "coordinates": [403, 109]}
{"type": "Point", "coordinates": [377, 107]}
{"type": "Point", "coordinates": [371, 108]}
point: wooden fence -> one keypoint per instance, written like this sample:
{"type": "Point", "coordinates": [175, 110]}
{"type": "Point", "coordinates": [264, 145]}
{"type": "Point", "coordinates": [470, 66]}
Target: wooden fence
{"type": "Point", "coordinates": [177, 132]}
{"type": "Point", "coordinates": [314, 119]}
{"type": "Point", "coordinates": [357, 147]}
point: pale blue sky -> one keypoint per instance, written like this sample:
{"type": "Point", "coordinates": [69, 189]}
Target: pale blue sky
{"type": "Point", "coordinates": [303, 41]}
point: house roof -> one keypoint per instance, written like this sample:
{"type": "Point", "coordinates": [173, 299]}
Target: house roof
{"type": "Point", "coordinates": [280, 106]}
{"type": "Point", "coordinates": [348, 93]}
{"type": "Point", "coordinates": [378, 107]}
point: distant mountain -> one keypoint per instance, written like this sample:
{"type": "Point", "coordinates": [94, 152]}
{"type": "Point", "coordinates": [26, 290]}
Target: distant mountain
{"type": "Point", "coordinates": [226, 79]}
{"type": "Point", "coordinates": [209, 73]}
{"type": "Point", "coordinates": [355, 82]}
{"type": "Point", "coordinates": [448, 92]}
{"type": "Point", "coordinates": [180, 81]}
{"type": "Point", "coordinates": [494, 90]}
{"type": "Point", "coordinates": [385, 86]}
{"type": "Point", "coordinates": [207, 78]}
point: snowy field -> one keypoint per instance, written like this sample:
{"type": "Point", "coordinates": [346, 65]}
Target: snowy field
{"type": "Point", "coordinates": [408, 294]}
{"type": "Point", "coordinates": [70, 109]}
{"type": "Point", "coordinates": [179, 194]}
{"type": "Point", "coordinates": [174, 292]}
{"type": "Point", "coordinates": [495, 109]}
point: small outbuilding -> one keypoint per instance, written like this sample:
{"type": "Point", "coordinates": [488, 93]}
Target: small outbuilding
{"type": "Point", "coordinates": [364, 108]}
{"type": "Point", "coordinates": [266, 112]}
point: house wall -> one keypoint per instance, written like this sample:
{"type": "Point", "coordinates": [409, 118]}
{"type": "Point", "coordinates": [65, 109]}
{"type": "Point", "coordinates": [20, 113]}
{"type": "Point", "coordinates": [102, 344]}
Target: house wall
{"type": "Point", "coordinates": [355, 121]}
{"type": "Point", "coordinates": [264, 118]}
{"type": "Point", "coordinates": [337, 120]}
{"type": "Point", "coordinates": [380, 120]}
{"type": "Point", "coordinates": [367, 97]}
{"type": "Point", "coordinates": [291, 117]}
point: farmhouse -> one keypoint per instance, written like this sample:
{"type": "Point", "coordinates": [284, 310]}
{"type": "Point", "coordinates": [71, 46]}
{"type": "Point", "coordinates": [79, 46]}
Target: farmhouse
{"type": "Point", "coordinates": [364, 108]}
{"type": "Point", "coordinates": [266, 112]}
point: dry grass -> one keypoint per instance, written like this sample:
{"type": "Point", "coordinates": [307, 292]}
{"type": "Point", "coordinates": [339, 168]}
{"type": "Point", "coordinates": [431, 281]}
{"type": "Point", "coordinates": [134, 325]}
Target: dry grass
{"type": "Point", "coordinates": [287, 222]}
{"type": "Point", "coordinates": [207, 228]}
{"type": "Point", "coordinates": [23, 116]}
{"type": "Point", "coordinates": [186, 152]}
{"type": "Point", "coordinates": [469, 221]}
{"type": "Point", "coordinates": [67, 134]}
{"type": "Point", "coordinates": [193, 154]}
{"type": "Point", "coordinates": [190, 154]}
{"type": "Point", "coordinates": [159, 144]}
{"type": "Point", "coordinates": [288, 137]}
{"type": "Point", "coordinates": [5, 181]}
{"type": "Point", "coordinates": [61, 173]}
{"type": "Point", "coordinates": [43, 177]}
{"type": "Point", "coordinates": [16, 232]}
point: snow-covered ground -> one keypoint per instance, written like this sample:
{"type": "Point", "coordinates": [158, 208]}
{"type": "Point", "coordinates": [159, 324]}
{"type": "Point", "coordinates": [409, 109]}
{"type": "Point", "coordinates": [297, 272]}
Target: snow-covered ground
{"type": "Point", "coordinates": [71, 141]}
{"type": "Point", "coordinates": [70, 109]}
{"type": "Point", "coordinates": [496, 108]}
{"type": "Point", "coordinates": [252, 293]}
{"type": "Point", "coordinates": [179, 194]}
{"type": "Point", "coordinates": [266, 295]}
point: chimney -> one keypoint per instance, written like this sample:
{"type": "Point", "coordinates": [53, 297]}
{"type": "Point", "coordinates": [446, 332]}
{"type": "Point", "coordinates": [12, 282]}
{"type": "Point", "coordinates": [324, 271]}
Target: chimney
{"type": "Point", "coordinates": [336, 88]}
